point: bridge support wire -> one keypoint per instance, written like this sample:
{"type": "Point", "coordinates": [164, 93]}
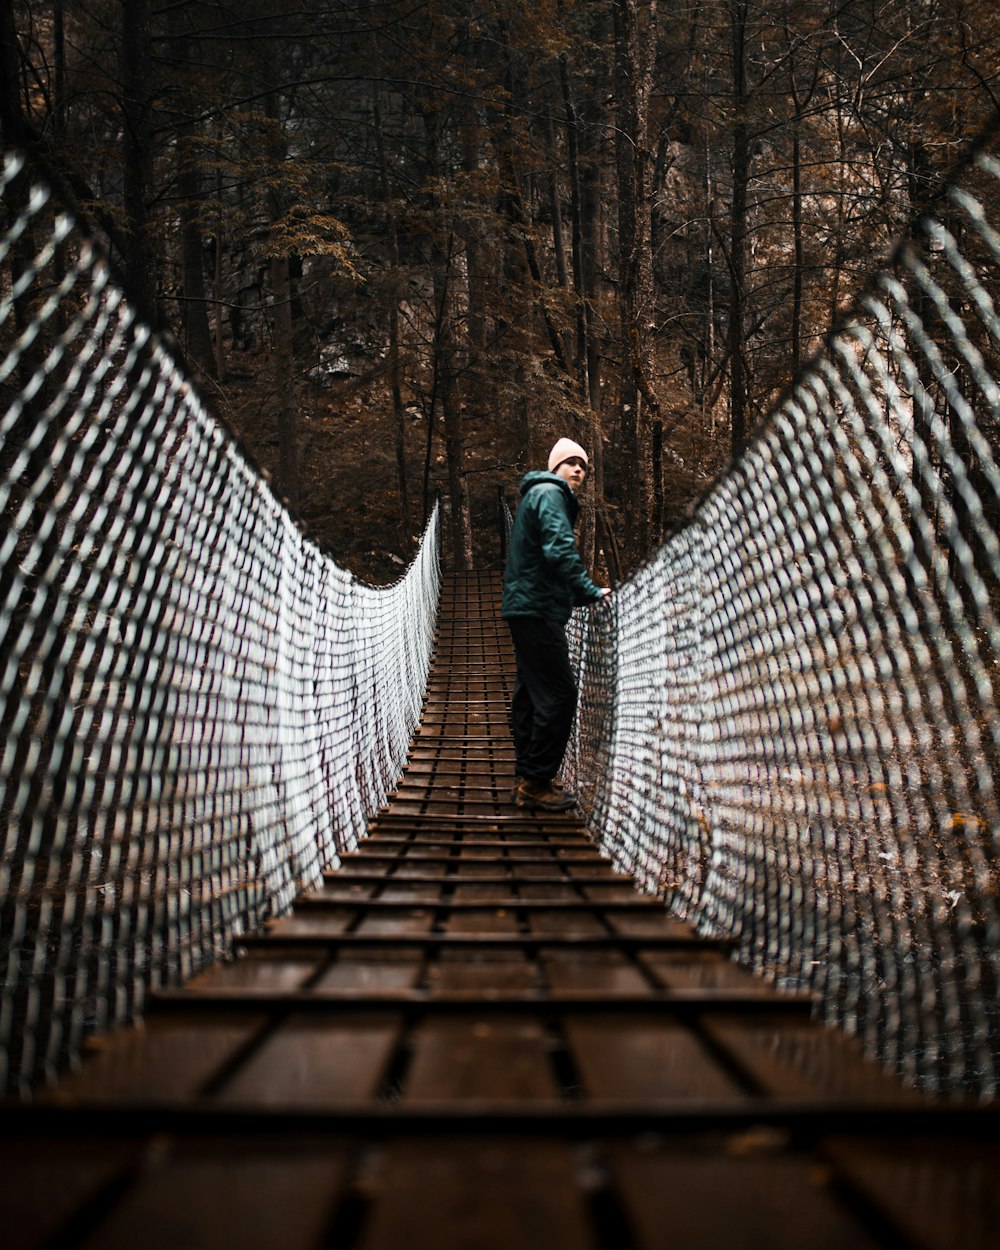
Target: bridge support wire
{"type": "Point", "coordinates": [200, 709]}
{"type": "Point", "coordinates": [788, 722]}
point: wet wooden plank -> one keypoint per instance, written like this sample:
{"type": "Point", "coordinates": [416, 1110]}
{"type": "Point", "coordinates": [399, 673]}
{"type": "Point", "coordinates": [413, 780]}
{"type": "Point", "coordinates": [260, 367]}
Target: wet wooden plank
{"type": "Point", "coordinates": [648, 1057]}
{"type": "Point", "coordinates": [228, 1192]}
{"type": "Point", "coordinates": [598, 972]}
{"type": "Point", "coordinates": [744, 1194]}
{"type": "Point", "coordinates": [575, 923]}
{"type": "Point", "coordinates": [260, 970]}
{"type": "Point", "coordinates": [502, 892]}
{"type": "Point", "coordinates": [799, 1058]}
{"type": "Point", "coordinates": [479, 1196]}
{"type": "Point", "coordinates": [495, 1057]}
{"type": "Point", "coordinates": [346, 891]}
{"type": "Point", "coordinates": [542, 874]}
{"type": "Point", "coordinates": [943, 1193]}
{"type": "Point", "coordinates": [484, 869]}
{"type": "Point", "coordinates": [373, 972]}
{"type": "Point", "coordinates": [495, 920]}
{"type": "Point", "coordinates": [418, 895]}
{"type": "Point", "coordinates": [325, 923]}
{"type": "Point", "coordinates": [646, 921]}
{"type": "Point", "coordinates": [613, 890]}
{"type": "Point", "coordinates": [311, 1060]}
{"type": "Point", "coordinates": [580, 869]}
{"type": "Point", "coordinates": [700, 970]}
{"type": "Point", "coordinates": [556, 891]}
{"type": "Point", "coordinates": [484, 973]}
{"type": "Point", "coordinates": [44, 1184]}
{"type": "Point", "coordinates": [396, 924]}
{"type": "Point", "coordinates": [411, 868]}
{"type": "Point", "coordinates": [169, 1057]}
{"type": "Point", "coordinates": [417, 807]}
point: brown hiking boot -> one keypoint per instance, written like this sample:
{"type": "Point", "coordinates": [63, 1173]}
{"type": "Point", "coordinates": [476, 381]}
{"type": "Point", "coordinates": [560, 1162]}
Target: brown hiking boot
{"type": "Point", "coordinates": [554, 783]}
{"type": "Point", "coordinates": [544, 796]}
{"type": "Point", "coordinates": [519, 782]}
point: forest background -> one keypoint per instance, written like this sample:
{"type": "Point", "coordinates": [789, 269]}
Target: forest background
{"type": "Point", "coordinates": [403, 245]}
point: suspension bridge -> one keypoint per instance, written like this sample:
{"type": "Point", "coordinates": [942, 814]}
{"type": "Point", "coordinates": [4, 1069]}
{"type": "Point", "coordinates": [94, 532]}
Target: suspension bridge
{"type": "Point", "coordinates": [283, 964]}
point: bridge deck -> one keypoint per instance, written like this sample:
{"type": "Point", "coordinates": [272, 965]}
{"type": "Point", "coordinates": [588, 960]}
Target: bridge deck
{"type": "Point", "coordinates": [477, 1034]}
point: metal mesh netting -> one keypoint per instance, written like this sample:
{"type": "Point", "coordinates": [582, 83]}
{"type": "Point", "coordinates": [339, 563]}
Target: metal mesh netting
{"type": "Point", "coordinates": [200, 709]}
{"type": "Point", "coordinates": [787, 719]}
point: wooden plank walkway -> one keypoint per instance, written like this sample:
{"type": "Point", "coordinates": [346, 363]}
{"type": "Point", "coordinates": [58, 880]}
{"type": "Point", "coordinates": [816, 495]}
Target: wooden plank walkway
{"type": "Point", "coordinates": [478, 1035]}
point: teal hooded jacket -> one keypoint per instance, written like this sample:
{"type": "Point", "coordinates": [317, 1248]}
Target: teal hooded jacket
{"type": "Point", "coordinates": [545, 575]}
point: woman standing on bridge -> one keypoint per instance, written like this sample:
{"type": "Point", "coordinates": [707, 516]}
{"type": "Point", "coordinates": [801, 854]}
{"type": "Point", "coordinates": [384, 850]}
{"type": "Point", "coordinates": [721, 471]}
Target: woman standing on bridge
{"type": "Point", "coordinates": [543, 582]}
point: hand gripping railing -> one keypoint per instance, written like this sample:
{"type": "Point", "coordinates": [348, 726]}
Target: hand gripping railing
{"type": "Point", "coordinates": [200, 710]}
{"type": "Point", "coordinates": [788, 721]}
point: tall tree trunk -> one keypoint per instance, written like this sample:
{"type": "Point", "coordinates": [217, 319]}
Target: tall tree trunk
{"type": "Point", "coordinates": [458, 486]}
{"type": "Point", "coordinates": [593, 258]}
{"type": "Point", "coordinates": [137, 107]}
{"type": "Point", "coordinates": [476, 399]}
{"type": "Point", "coordinates": [395, 384]}
{"type": "Point", "coordinates": [194, 309]}
{"type": "Point", "coordinates": [442, 259]}
{"type": "Point", "coordinates": [196, 332]}
{"type": "Point", "coordinates": [918, 177]}
{"type": "Point", "coordinates": [800, 102]}
{"type": "Point", "coordinates": [837, 265]}
{"type": "Point", "coordinates": [556, 210]}
{"type": "Point", "coordinates": [580, 275]}
{"type": "Point", "coordinates": [635, 26]}
{"type": "Point", "coordinates": [217, 283]}
{"type": "Point", "coordinates": [13, 130]}
{"type": "Point", "coordinates": [59, 70]}
{"type": "Point", "coordinates": [11, 121]}
{"type": "Point", "coordinates": [285, 405]}
{"type": "Point", "coordinates": [798, 244]}
{"type": "Point", "coordinates": [738, 230]}
{"type": "Point", "coordinates": [454, 426]}
{"type": "Point", "coordinates": [708, 339]}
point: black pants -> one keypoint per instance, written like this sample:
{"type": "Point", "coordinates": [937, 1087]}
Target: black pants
{"type": "Point", "coordinates": [541, 711]}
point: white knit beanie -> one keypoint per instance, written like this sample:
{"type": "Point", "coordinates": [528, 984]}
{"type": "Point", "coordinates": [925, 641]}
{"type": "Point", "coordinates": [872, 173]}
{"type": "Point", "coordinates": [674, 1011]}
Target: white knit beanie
{"type": "Point", "coordinates": [565, 449]}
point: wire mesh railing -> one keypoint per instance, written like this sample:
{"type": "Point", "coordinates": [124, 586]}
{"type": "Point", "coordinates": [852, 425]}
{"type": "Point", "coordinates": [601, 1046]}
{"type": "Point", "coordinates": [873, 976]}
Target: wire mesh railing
{"type": "Point", "coordinates": [787, 721]}
{"type": "Point", "coordinates": [200, 709]}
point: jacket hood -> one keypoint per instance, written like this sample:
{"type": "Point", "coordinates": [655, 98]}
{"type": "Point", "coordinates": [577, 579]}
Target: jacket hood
{"type": "Point", "coordinates": [536, 476]}
{"type": "Point", "coordinates": [541, 477]}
